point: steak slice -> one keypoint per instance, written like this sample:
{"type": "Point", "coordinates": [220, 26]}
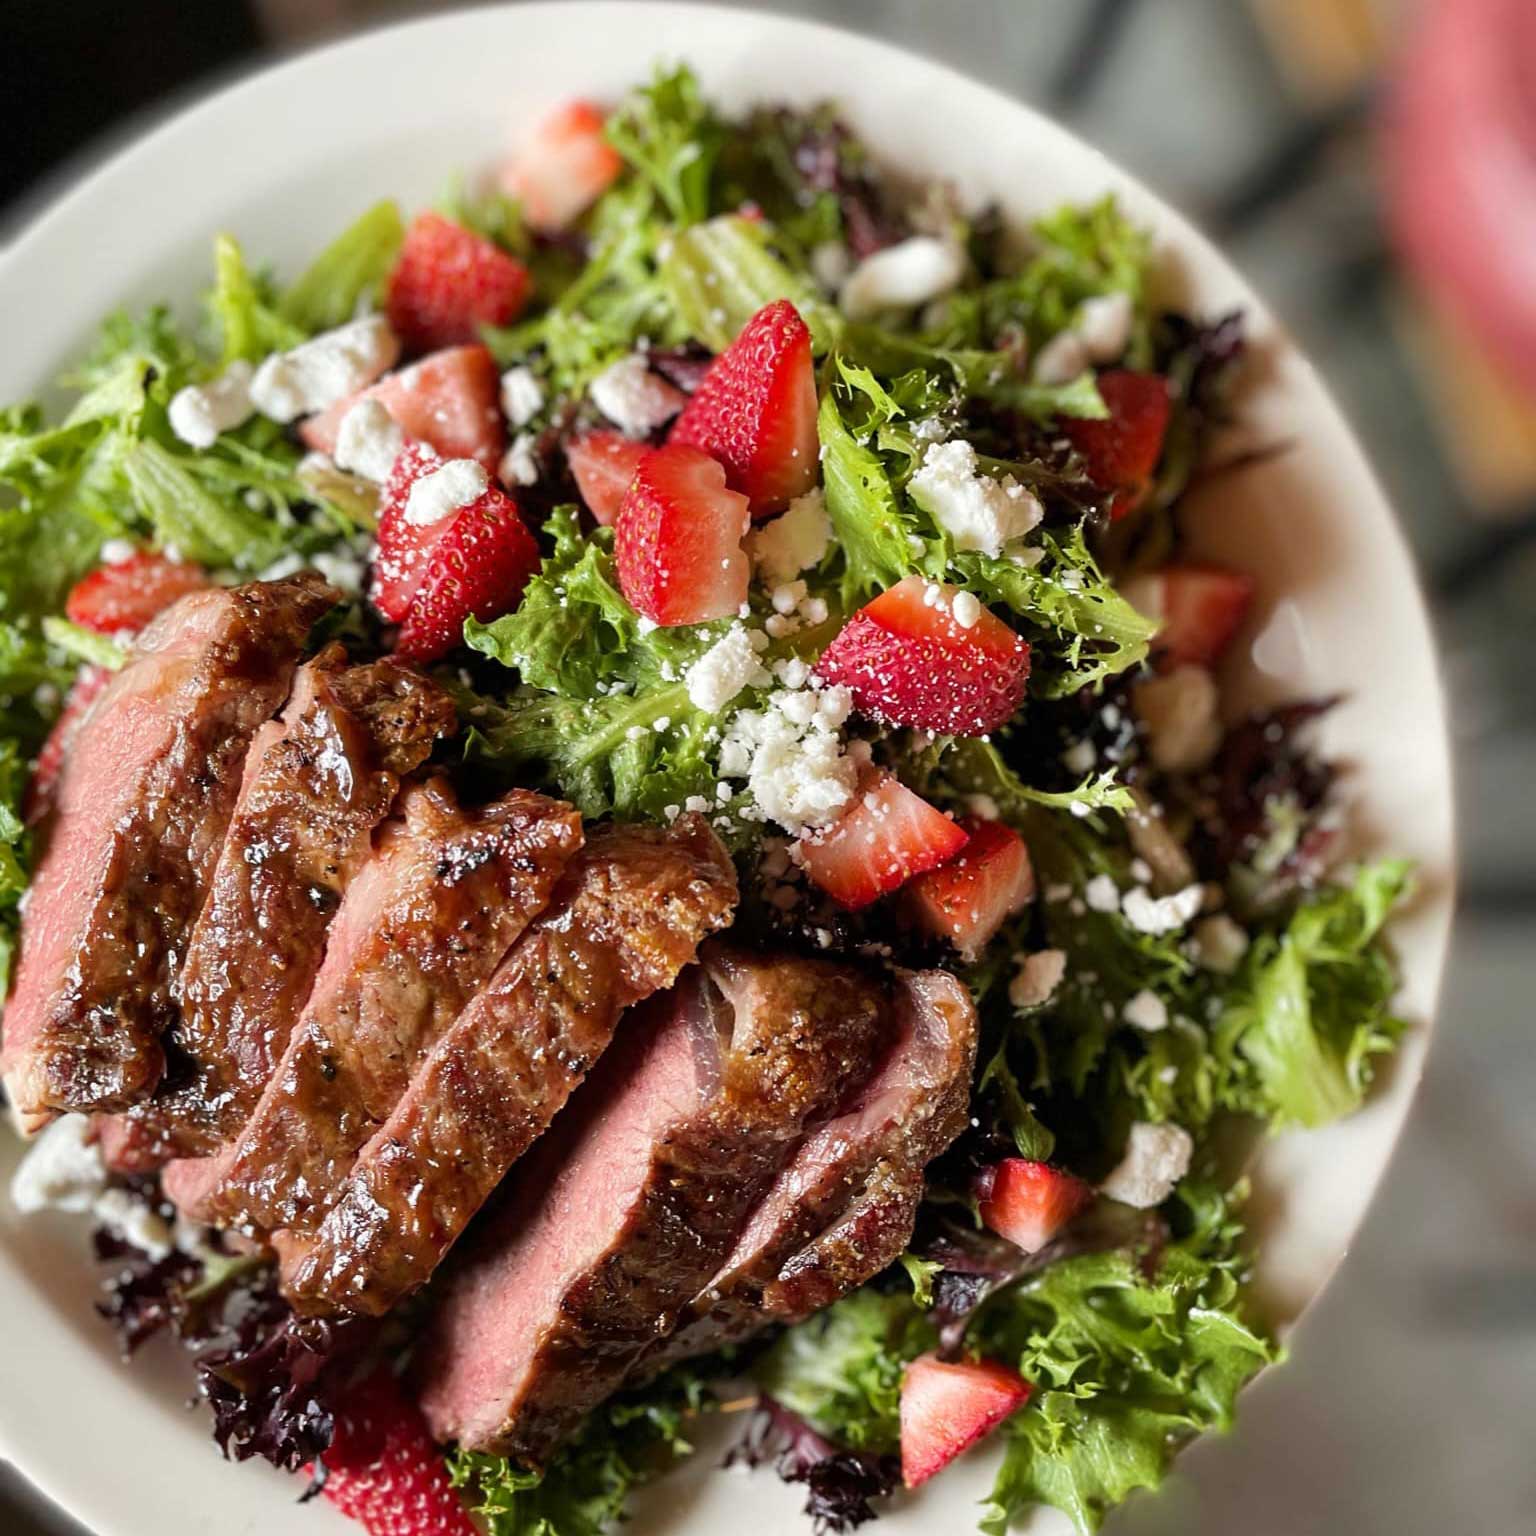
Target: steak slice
{"type": "Point", "coordinates": [421, 928]}
{"type": "Point", "coordinates": [138, 821]}
{"type": "Point", "coordinates": [318, 780]}
{"type": "Point", "coordinates": [628, 915]}
{"type": "Point", "coordinates": [844, 1206]}
{"type": "Point", "coordinates": [624, 1211]}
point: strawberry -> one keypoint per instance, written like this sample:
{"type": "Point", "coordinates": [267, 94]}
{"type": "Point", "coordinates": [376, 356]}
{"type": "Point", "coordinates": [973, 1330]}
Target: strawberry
{"type": "Point", "coordinates": [1121, 452]}
{"type": "Point", "coordinates": [947, 1406]}
{"type": "Point", "coordinates": [564, 169]}
{"type": "Point", "coordinates": [604, 463]}
{"type": "Point", "coordinates": [89, 682]}
{"type": "Point", "coordinates": [1029, 1202]}
{"type": "Point", "coordinates": [909, 660]}
{"type": "Point", "coordinates": [404, 547]}
{"type": "Point", "coordinates": [121, 599]}
{"type": "Point", "coordinates": [884, 838]}
{"type": "Point", "coordinates": [476, 569]}
{"type": "Point", "coordinates": [449, 400]}
{"type": "Point", "coordinates": [968, 899]}
{"type": "Point", "coordinates": [1197, 609]}
{"type": "Point", "coordinates": [383, 1470]}
{"type": "Point", "coordinates": [755, 410]}
{"type": "Point", "coordinates": [448, 282]}
{"type": "Point", "coordinates": [677, 542]}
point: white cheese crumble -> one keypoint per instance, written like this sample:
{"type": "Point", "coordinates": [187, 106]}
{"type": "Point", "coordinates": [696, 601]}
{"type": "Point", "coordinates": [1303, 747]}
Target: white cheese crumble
{"type": "Point", "coordinates": [1179, 712]}
{"type": "Point", "coordinates": [902, 276]}
{"type": "Point", "coordinates": [1038, 976]}
{"type": "Point", "coordinates": [1080, 757]}
{"type": "Point", "coordinates": [518, 464]}
{"type": "Point", "coordinates": [1161, 914]}
{"type": "Point", "coordinates": [118, 551]}
{"type": "Point", "coordinates": [62, 1170]}
{"type": "Point", "coordinates": [345, 568]}
{"type": "Point", "coordinates": [134, 1222]}
{"type": "Point", "coordinates": [445, 491]}
{"type": "Point", "coordinates": [1147, 1011]}
{"type": "Point", "coordinates": [522, 396]}
{"type": "Point", "coordinates": [1219, 944]}
{"type": "Point", "coordinates": [830, 264]}
{"type": "Point", "coordinates": [633, 398]}
{"type": "Point", "coordinates": [1104, 326]}
{"type": "Point", "coordinates": [1156, 1158]}
{"type": "Point", "coordinates": [793, 542]}
{"type": "Point", "coordinates": [792, 758]}
{"type": "Point", "coordinates": [977, 511]}
{"type": "Point", "coordinates": [984, 806]}
{"type": "Point", "coordinates": [1061, 359]}
{"type": "Point", "coordinates": [368, 441]}
{"type": "Point", "coordinates": [200, 412]}
{"type": "Point", "coordinates": [1102, 894]}
{"type": "Point", "coordinates": [728, 666]}
{"type": "Point", "coordinates": [966, 609]}
{"type": "Point", "coordinates": [328, 368]}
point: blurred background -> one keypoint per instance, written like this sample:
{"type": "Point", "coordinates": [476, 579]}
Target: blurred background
{"type": "Point", "coordinates": [1371, 165]}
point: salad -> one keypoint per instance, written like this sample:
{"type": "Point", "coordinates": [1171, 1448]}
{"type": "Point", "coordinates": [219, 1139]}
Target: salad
{"type": "Point", "coordinates": [714, 477]}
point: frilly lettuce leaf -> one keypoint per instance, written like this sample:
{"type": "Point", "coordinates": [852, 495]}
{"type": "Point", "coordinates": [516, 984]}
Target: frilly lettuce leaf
{"type": "Point", "coordinates": [348, 273]}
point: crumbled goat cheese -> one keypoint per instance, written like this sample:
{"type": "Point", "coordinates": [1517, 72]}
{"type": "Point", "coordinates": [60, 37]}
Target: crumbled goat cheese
{"type": "Point", "coordinates": [368, 441]}
{"type": "Point", "coordinates": [1161, 914]}
{"type": "Point", "coordinates": [518, 464]}
{"type": "Point", "coordinates": [318, 373]}
{"type": "Point", "coordinates": [344, 568]}
{"type": "Point", "coordinates": [282, 568]}
{"type": "Point", "coordinates": [633, 398]}
{"type": "Point", "coordinates": [793, 542]}
{"type": "Point", "coordinates": [1104, 326]}
{"type": "Point", "coordinates": [966, 609]}
{"type": "Point", "coordinates": [984, 806]}
{"type": "Point", "coordinates": [1179, 712]}
{"type": "Point", "coordinates": [134, 1222]}
{"type": "Point", "coordinates": [787, 597]}
{"type": "Point", "coordinates": [1156, 1158]}
{"type": "Point", "coordinates": [445, 491]}
{"type": "Point", "coordinates": [1219, 944]}
{"type": "Point", "coordinates": [977, 511]}
{"type": "Point", "coordinates": [118, 551]}
{"type": "Point", "coordinates": [1061, 359]}
{"type": "Point", "coordinates": [792, 759]}
{"type": "Point", "coordinates": [1147, 1011]}
{"type": "Point", "coordinates": [902, 276]}
{"type": "Point", "coordinates": [1102, 894]}
{"type": "Point", "coordinates": [1080, 757]}
{"type": "Point", "coordinates": [522, 396]}
{"type": "Point", "coordinates": [728, 666]}
{"type": "Point", "coordinates": [62, 1170]}
{"type": "Point", "coordinates": [200, 412]}
{"type": "Point", "coordinates": [1038, 977]}
{"type": "Point", "coordinates": [830, 264]}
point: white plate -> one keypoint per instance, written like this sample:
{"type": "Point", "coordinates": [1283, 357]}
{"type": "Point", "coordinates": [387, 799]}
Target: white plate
{"type": "Point", "coordinates": [283, 161]}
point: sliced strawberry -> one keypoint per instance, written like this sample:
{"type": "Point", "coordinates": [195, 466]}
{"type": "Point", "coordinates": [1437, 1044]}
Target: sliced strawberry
{"type": "Point", "coordinates": [123, 598]}
{"type": "Point", "coordinates": [1029, 1202]}
{"type": "Point", "coordinates": [1197, 609]}
{"type": "Point", "coordinates": [967, 900]}
{"type": "Point", "coordinates": [884, 838]}
{"type": "Point", "coordinates": [565, 167]}
{"type": "Point", "coordinates": [448, 282]}
{"type": "Point", "coordinates": [450, 400]}
{"type": "Point", "coordinates": [755, 410]}
{"type": "Point", "coordinates": [946, 1407]}
{"type": "Point", "coordinates": [89, 682]}
{"type": "Point", "coordinates": [383, 1470]}
{"type": "Point", "coordinates": [404, 547]}
{"type": "Point", "coordinates": [477, 569]}
{"type": "Point", "coordinates": [1121, 452]}
{"type": "Point", "coordinates": [604, 463]}
{"type": "Point", "coordinates": [677, 542]}
{"type": "Point", "coordinates": [909, 660]}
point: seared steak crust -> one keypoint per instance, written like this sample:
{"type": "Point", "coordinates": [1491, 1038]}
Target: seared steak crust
{"type": "Point", "coordinates": [139, 819]}
{"type": "Point", "coordinates": [420, 929]}
{"type": "Point", "coordinates": [628, 915]}
{"type": "Point", "coordinates": [317, 782]}
{"type": "Point", "coordinates": [606, 1233]}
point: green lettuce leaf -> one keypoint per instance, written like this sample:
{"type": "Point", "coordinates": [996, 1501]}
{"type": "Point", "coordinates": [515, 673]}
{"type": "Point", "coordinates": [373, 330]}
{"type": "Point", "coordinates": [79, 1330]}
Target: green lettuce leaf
{"type": "Point", "coordinates": [348, 273]}
{"type": "Point", "coordinates": [668, 133]}
{"type": "Point", "coordinates": [244, 309]}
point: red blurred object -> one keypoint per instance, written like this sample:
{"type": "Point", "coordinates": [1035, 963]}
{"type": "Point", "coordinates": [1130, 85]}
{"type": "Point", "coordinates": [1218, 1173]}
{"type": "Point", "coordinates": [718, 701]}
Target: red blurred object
{"type": "Point", "coordinates": [1461, 168]}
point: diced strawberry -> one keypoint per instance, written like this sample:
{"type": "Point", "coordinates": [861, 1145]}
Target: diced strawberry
{"type": "Point", "coordinates": [677, 542]}
{"type": "Point", "coordinates": [404, 548]}
{"type": "Point", "coordinates": [755, 410]}
{"type": "Point", "coordinates": [449, 400]}
{"type": "Point", "coordinates": [967, 900]}
{"type": "Point", "coordinates": [1029, 1202]}
{"type": "Point", "coordinates": [884, 838]}
{"type": "Point", "coordinates": [477, 569]}
{"type": "Point", "coordinates": [89, 682]}
{"type": "Point", "coordinates": [604, 463]}
{"type": "Point", "coordinates": [908, 660]}
{"type": "Point", "coordinates": [122, 598]}
{"type": "Point", "coordinates": [564, 168]}
{"type": "Point", "coordinates": [448, 282]}
{"type": "Point", "coordinates": [383, 1470]}
{"type": "Point", "coordinates": [947, 1406]}
{"type": "Point", "coordinates": [1121, 452]}
{"type": "Point", "coordinates": [1197, 609]}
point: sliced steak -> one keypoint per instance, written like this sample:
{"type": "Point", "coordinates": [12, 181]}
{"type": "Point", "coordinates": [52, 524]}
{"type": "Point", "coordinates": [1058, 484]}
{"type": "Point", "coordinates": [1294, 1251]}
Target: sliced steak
{"type": "Point", "coordinates": [844, 1206]}
{"type": "Point", "coordinates": [421, 928]}
{"type": "Point", "coordinates": [138, 820]}
{"type": "Point", "coordinates": [624, 1211]}
{"type": "Point", "coordinates": [318, 781]}
{"type": "Point", "coordinates": [629, 914]}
